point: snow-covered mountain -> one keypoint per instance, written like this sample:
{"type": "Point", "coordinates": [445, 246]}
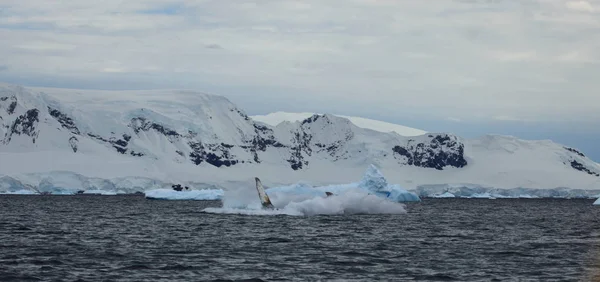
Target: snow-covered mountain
{"type": "Point", "coordinates": [189, 137]}
{"type": "Point", "coordinates": [278, 117]}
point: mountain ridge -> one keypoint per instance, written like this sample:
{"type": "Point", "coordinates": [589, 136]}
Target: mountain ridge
{"type": "Point", "coordinates": [276, 118]}
{"type": "Point", "coordinates": [158, 132]}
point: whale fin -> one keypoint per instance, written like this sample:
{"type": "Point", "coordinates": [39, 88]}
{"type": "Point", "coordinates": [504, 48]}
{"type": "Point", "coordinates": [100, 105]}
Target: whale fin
{"type": "Point", "coordinates": [264, 198]}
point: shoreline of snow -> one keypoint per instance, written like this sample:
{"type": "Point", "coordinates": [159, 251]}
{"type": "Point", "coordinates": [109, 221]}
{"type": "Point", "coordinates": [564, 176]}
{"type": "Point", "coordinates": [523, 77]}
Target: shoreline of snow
{"type": "Point", "coordinates": [170, 194]}
{"type": "Point", "coordinates": [70, 183]}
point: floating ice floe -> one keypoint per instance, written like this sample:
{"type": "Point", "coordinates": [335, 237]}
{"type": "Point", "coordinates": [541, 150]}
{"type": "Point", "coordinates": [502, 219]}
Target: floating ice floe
{"type": "Point", "coordinates": [373, 182]}
{"type": "Point", "coordinates": [19, 192]}
{"type": "Point", "coordinates": [372, 195]}
{"type": "Point", "coordinates": [478, 191]}
{"type": "Point", "coordinates": [597, 202]}
{"type": "Point", "coordinates": [170, 194]}
{"type": "Point", "coordinates": [348, 201]}
{"type": "Point", "coordinates": [100, 192]}
{"type": "Point", "coordinates": [444, 195]}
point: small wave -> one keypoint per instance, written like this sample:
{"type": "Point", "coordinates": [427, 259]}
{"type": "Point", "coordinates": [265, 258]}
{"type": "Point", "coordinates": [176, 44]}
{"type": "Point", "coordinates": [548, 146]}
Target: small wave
{"type": "Point", "coordinates": [177, 266]}
{"type": "Point", "coordinates": [439, 277]}
{"type": "Point", "coordinates": [277, 240]}
{"type": "Point", "coordinates": [135, 267]}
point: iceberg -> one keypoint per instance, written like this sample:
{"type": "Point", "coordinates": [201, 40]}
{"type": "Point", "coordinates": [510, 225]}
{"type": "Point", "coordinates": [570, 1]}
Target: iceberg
{"type": "Point", "coordinates": [373, 182]}
{"type": "Point", "coordinates": [483, 196]}
{"type": "Point", "coordinates": [371, 195]}
{"type": "Point", "coordinates": [19, 192]}
{"type": "Point", "coordinates": [444, 195]}
{"type": "Point", "coordinates": [311, 202]}
{"type": "Point", "coordinates": [170, 194]}
{"type": "Point", "coordinates": [71, 183]}
{"type": "Point", "coordinates": [478, 191]}
{"type": "Point", "coordinates": [100, 192]}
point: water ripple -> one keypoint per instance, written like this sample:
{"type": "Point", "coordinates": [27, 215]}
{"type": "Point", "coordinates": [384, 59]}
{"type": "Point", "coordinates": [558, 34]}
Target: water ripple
{"type": "Point", "coordinates": [127, 238]}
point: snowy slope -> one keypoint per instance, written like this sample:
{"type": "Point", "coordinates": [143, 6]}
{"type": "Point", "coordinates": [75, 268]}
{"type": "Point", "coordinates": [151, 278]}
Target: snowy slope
{"type": "Point", "coordinates": [152, 139]}
{"type": "Point", "coordinates": [276, 118]}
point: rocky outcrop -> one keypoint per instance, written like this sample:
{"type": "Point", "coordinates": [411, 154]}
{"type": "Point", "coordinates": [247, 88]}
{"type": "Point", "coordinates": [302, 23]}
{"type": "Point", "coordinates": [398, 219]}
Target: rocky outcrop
{"type": "Point", "coordinates": [24, 124]}
{"type": "Point", "coordinates": [64, 120]}
{"type": "Point", "coordinates": [579, 166]}
{"type": "Point", "coordinates": [438, 152]}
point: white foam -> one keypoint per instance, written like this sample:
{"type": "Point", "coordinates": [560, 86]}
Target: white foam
{"type": "Point", "coordinates": [349, 201]}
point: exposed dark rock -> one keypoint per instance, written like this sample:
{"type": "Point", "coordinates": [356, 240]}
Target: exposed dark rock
{"type": "Point", "coordinates": [227, 145]}
{"type": "Point", "coordinates": [262, 129]}
{"type": "Point", "coordinates": [73, 142]}
{"type": "Point", "coordinates": [575, 151]}
{"type": "Point", "coordinates": [180, 153]}
{"type": "Point", "coordinates": [301, 145]}
{"type": "Point", "coordinates": [141, 124]}
{"type": "Point", "coordinates": [312, 119]}
{"type": "Point", "coordinates": [119, 144]}
{"type": "Point", "coordinates": [24, 125]}
{"type": "Point", "coordinates": [441, 151]}
{"type": "Point", "coordinates": [197, 154]}
{"type": "Point", "coordinates": [97, 137]}
{"type": "Point", "coordinates": [242, 114]}
{"type": "Point", "coordinates": [126, 137]}
{"type": "Point", "coordinates": [120, 149]}
{"type": "Point", "coordinates": [64, 120]}
{"type": "Point", "coordinates": [136, 154]}
{"type": "Point", "coordinates": [579, 166]}
{"type": "Point", "coordinates": [332, 149]}
{"type": "Point", "coordinates": [217, 161]}
{"type": "Point", "coordinates": [214, 154]}
{"type": "Point", "coordinates": [263, 139]}
{"type": "Point", "coordinates": [261, 144]}
{"type": "Point", "coordinates": [11, 108]}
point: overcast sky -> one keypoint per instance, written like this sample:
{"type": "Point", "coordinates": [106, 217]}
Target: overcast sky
{"type": "Point", "coordinates": [529, 68]}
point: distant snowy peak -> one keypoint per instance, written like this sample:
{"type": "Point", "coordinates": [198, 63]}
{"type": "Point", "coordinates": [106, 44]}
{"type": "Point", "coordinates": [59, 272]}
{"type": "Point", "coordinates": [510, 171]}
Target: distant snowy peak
{"type": "Point", "coordinates": [276, 118]}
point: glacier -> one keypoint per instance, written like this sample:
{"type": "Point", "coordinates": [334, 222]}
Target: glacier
{"type": "Point", "coordinates": [170, 194]}
{"type": "Point", "coordinates": [373, 182]}
{"type": "Point", "coordinates": [478, 191]}
{"type": "Point", "coordinates": [63, 141]}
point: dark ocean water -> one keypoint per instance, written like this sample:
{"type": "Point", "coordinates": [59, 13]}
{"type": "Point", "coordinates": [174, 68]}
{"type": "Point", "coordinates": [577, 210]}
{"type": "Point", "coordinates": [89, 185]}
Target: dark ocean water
{"type": "Point", "coordinates": [129, 238]}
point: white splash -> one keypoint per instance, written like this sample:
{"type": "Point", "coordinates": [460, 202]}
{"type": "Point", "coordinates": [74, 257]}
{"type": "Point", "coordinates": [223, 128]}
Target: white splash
{"type": "Point", "coordinates": [350, 201]}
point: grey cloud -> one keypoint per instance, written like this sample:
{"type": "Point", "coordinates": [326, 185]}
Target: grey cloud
{"type": "Point", "coordinates": [466, 60]}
